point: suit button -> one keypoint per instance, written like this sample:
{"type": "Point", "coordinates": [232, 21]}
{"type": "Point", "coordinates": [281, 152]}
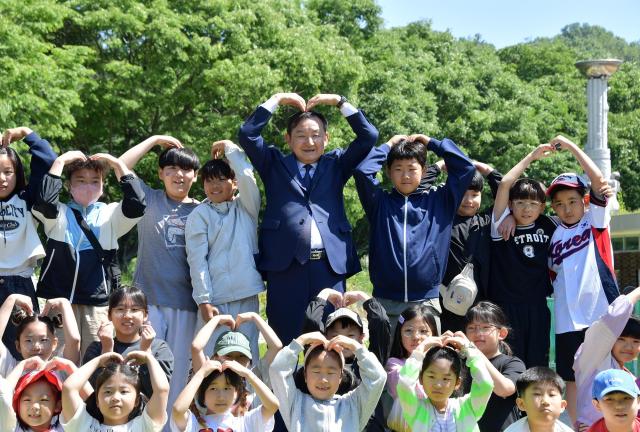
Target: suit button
{"type": "Point", "coordinates": [301, 222]}
{"type": "Point", "coordinates": [1, 281]}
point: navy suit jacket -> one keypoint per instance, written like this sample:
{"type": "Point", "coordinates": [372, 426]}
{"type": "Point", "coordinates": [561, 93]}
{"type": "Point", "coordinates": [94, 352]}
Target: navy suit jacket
{"type": "Point", "coordinates": [285, 226]}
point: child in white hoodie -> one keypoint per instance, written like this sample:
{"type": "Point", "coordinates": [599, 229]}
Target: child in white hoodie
{"type": "Point", "coordinates": [222, 239]}
{"type": "Point", "coordinates": [319, 408]}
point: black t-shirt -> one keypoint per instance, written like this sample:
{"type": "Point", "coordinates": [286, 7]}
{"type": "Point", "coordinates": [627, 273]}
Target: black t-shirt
{"type": "Point", "coordinates": [159, 349]}
{"type": "Point", "coordinates": [470, 236]}
{"type": "Point", "coordinates": [501, 412]}
{"type": "Point", "coordinates": [519, 266]}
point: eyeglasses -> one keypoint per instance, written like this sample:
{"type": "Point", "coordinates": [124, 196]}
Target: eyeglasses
{"type": "Point", "coordinates": [484, 330]}
{"type": "Point", "coordinates": [409, 332]}
{"type": "Point", "coordinates": [124, 311]}
{"type": "Point", "coordinates": [521, 205]}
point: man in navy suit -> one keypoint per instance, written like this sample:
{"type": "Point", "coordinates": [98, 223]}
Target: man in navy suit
{"type": "Point", "coordinates": [305, 237]}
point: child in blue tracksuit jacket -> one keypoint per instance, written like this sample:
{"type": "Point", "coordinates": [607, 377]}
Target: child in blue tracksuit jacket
{"type": "Point", "coordinates": [410, 229]}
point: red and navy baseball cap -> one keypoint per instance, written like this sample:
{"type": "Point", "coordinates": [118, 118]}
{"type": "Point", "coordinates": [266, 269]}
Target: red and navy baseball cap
{"type": "Point", "coordinates": [31, 377]}
{"type": "Point", "coordinates": [570, 180]}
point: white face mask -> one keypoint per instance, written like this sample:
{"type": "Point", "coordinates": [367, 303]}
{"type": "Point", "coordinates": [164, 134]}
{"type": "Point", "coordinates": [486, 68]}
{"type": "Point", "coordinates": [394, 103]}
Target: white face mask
{"type": "Point", "coordinates": [86, 194]}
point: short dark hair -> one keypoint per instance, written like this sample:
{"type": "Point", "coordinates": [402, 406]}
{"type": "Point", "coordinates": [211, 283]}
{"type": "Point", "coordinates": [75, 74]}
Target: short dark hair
{"type": "Point", "coordinates": [477, 182]}
{"type": "Point", "coordinates": [526, 188]}
{"type": "Point", "coordinates": [539, 374]}
{"type": "Point", "coordinates": [343, 323]}
{"type": "Point", "coordinates": [125, 292]}
{"type": "Point", "coordinates": [298, 117]}
{"type": "Point", "coordinates": [217, 169]}
{"type": "Point", "coordinates": [632, 328]}
{"type": "Point", "coordinates": [21, 182]}
{"type": "Point", "coordinates": [408, 150]}
{"type": "Point", "coordinates": [183, 157]}
{"type": "Point", "coordinates": [445, 352]}
{"type": "Point", "coordinates": [581, 191]}
{"type": "Point", "coordinates": [94, 165]}
{"type": "Point", "coordinates": [417, 310]}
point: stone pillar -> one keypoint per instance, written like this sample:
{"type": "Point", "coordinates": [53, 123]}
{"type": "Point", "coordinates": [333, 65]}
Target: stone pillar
{"type": "Point", "coordinates": [597, 147]}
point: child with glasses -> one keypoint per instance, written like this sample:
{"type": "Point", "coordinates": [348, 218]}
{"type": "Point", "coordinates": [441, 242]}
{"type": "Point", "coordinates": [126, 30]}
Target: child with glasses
{"type": "Point", "coordinates": [487, 328]}
{"type": "Point", "coordinates": [415, 324]}
{"type": "Point", "coordinates": [128, 330]}
{"type": "Point", "coordinates": [518, 278]}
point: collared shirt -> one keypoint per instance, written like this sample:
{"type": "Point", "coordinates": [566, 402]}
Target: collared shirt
{"type": "Point", "coordinates": [316, 238]}
{"type": "Point", "coordinates": [347, 110]}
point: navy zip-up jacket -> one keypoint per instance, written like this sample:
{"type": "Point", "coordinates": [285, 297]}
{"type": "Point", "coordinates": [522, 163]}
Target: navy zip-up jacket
{"type": "Point", "coordinates": [409, 235]}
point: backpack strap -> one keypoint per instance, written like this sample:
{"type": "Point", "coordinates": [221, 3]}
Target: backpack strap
{"type": "Point", "coordinates": [84, 226]}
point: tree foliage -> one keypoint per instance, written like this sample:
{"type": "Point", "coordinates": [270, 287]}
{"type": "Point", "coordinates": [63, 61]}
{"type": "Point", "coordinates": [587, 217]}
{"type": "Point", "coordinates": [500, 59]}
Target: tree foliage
{"type": "Point", "coordinates": [102, 75]}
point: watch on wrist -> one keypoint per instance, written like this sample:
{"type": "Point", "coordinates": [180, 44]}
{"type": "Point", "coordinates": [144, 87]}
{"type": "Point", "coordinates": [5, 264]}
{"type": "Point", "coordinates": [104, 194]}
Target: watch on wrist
{"type": "Point", "coordinates": [341, 101]}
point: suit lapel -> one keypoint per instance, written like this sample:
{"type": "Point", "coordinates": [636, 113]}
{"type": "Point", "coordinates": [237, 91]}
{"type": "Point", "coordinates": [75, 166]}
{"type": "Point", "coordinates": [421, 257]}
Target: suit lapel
{"type": "Point", "coordinates": [291, 166]}
{"type": "Point", "coordinates": [321, 167]}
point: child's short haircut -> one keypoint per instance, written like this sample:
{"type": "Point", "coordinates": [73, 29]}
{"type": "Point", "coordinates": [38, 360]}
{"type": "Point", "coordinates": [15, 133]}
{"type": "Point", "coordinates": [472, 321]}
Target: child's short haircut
{"type": "Point", "coordinates": [477, 182]}
{"type": "Point", "coordinates": [343, 323]}
{"type": "Point", "coordinates": [298, 117]}
{"type": "Point", "coordinates": [183, 157]}
{"type": "Point", "coordinates": [217, 169]}
{"type": "Point", "coordinates": [539, 375]}
{"type": "Point", "coordinates": [581, 191]}
{"type": "Point", "coordinates": [632, 329]}
{"type": "Point", "coordinates": [408, 150]}
{"type": "Point", "coordinates": [526, 188]}
{"type": "Point", "coordinates": [94, 165]}
{"type": "Point", "coordinates": [314, 352]}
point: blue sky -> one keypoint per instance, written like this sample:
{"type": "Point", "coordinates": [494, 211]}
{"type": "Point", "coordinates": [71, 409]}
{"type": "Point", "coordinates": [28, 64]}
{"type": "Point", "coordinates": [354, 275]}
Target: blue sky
{"type": "Point", "coordinates": [508, 22]}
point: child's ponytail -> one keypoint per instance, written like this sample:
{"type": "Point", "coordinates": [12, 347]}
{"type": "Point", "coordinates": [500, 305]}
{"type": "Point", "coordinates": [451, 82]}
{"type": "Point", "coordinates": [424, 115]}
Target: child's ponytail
{"type": "Point", "coordinates": [21, 320]}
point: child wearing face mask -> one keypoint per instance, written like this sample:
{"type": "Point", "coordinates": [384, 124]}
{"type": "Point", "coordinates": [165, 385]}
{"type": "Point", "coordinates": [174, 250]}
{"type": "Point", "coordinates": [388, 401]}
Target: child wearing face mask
{"type": "Point", "coordinates": [82, 235]}
{"type": "Point", "coordinates": [321, 408]}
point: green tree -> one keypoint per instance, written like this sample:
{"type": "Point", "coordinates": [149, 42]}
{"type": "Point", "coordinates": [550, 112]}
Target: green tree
{"type": "Point", "coordinates": [40, 79]}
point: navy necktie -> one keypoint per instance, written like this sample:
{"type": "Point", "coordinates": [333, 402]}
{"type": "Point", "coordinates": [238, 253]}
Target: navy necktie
{"type": "Point", "coordinates": [306, 179]}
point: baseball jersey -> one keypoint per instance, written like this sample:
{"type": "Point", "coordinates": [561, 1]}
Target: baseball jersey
{"type": "Point", "coordinates": [519, 271]}
{"type": "Point", "coordinates": [581, 264]}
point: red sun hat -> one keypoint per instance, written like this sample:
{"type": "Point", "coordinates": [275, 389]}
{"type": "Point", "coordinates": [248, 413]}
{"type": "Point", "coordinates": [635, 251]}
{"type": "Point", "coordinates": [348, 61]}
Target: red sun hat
{"type": "Point", "coordinates": [31, 377]}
